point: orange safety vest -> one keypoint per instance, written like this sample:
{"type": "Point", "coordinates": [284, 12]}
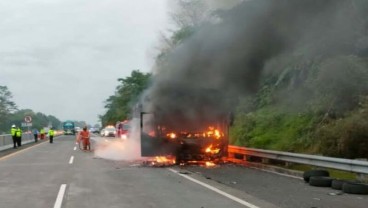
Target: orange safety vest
{"type": "Point", "coordinates": [84, 134]}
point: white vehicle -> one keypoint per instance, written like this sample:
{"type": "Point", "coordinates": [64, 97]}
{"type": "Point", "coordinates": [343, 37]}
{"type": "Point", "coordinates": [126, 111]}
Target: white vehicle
{"type": "Point", "coordinates": [77, 129]}
{"type": "Point", "coordinates": [102, 132]}
{"type": "Point", "coordinates": [109, 131]}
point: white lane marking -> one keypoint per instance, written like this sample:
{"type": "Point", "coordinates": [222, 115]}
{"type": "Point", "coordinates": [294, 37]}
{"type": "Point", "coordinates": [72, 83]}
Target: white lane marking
{"type": "Point", "coordinates": [60, 196]}
{"type": "Point", "coordinates": [75, 148]}
{"type": "Point", "coordinates": [71, 160]}
{"type": "Point", "coordinates": [234, 198]}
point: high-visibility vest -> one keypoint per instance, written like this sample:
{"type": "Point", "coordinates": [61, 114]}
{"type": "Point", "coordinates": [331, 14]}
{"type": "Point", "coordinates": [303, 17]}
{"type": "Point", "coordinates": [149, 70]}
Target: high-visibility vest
{"type": "Point", "coordinates": [51, 132]}
{"type": "Point", "coordinates": [12, 131]}
{"type": "Point", "coordinates": [42, 131]}
{"type": "Point", "coordinates": [18, 133]}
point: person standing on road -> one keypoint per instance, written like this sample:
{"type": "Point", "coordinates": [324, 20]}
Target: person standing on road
{"type": "Point", "coordinates": [35, 134]}
{"type": "Point", "coordinates": [14, 136]}
{"type": "Point", "coordinates": [42, 133]}
{"type": "Point", "coordinates": [18, 134]}
{"type": "Point", "coordinates": [51, 135]}
{"type": "Point", "coordinates": [84, 137]}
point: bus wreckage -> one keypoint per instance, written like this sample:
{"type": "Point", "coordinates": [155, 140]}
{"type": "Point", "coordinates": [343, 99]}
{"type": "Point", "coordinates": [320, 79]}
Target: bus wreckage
{"type": "Point", "coordinates": [184, 139]}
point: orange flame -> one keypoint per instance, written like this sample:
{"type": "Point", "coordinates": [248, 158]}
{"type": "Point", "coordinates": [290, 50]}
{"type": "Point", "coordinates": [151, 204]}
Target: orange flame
{"type": "Point", "coordinates": [209, 149]}
{"type": "Point", "coordinates": [212, 132]}
{"type": "Point", "coordinates": [171, 135]}
{"type": "Point", "coordinates": [163, 160]}
{"type": "Point", "coordinates": [210, 164]}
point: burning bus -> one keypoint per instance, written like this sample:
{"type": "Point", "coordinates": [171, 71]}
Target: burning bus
{"type": "Point", "coordinates": [190, 135]}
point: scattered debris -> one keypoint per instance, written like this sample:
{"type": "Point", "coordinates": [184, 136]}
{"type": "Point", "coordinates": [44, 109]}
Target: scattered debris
{"type": "Point", "coordinates": [135, 165]}
{"type": "Point", "coordinates": [184, 172]}
{"type": "Point", "coordinates": [336, 193]}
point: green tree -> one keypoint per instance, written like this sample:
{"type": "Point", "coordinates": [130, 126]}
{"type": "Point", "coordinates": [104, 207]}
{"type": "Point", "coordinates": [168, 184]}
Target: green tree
{"type": "Point", "coordinates": [7, 106]}
{"type": "Point", "coordinates": [127, 93]}
{"type": "Point", "coordinates": [39, 120]}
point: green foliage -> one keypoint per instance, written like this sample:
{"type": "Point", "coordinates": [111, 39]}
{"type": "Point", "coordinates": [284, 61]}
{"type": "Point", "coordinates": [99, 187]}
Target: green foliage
{"type": "Point", "coordinates": [306, 105]}
{"type": "Point", "coordinates": [340, 82]}
{"type": "Point", "coordinates": [345, 137]}
{"type": "Point", "coordinates": [182, 34]}
{"type": "Point", "coordinates": [39, 120]}
{"type": "Point", "coordinates": [127, 93]}
{"type": "Point", "coordinates": [9, 114]}
{"type": "Point", "coordinates": [271, 128]}
{"type": "Point", "coordinates": [7, 106]}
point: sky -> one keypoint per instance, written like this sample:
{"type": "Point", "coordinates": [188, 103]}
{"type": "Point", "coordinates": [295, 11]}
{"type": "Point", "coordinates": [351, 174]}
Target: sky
{"type": "Point", "coordinates": [63, 57]}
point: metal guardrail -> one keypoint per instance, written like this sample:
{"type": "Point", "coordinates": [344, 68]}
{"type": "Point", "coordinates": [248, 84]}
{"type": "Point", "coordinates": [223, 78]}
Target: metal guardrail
{"type": "Point", "coordinates": [6, 141]}
{"type": "Point", "coordinates": [356, 166]}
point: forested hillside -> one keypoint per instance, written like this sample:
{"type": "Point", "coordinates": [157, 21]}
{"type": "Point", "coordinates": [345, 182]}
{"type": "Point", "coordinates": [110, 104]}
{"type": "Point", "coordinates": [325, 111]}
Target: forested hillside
{"type": "Point", "coordinates": [313, 97]}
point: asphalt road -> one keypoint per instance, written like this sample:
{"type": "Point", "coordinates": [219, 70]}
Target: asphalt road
{"type": "Point", "coordinates": [60, 175]}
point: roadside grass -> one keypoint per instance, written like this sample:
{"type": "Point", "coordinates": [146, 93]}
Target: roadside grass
{"type": "Point", "coordinates": [273, 129]}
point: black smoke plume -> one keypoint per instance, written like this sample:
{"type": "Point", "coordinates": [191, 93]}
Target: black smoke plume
{"type": "Point", "coordinates": [203, 77]}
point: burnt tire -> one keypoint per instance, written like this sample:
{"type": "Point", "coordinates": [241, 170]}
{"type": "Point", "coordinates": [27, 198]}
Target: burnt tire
{"type": "Point", "coordinates": [320, 181]}
{"type": "Point", "coordinates": [338, 183]}
{"type": "Point", "coordinates": [309, 173]}
{"type": "Point", "coordinates": [355, 188]}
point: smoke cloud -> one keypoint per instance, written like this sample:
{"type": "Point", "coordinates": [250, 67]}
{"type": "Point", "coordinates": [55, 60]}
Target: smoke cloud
{"type": "Point", "coordinates": [117, 149]}
{"type": "Point", "coordinates": [203, 77]}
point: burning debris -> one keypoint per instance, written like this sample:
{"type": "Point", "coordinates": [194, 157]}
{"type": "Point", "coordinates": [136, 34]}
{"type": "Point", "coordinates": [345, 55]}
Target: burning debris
{"type": "Point", "coordinates": [166, 161]}
{"type": "Point", "coordinates": [160, 161]}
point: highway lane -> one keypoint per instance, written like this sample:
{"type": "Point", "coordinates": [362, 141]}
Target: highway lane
{"type": "Point", "coordinates": [32, 178]}
{"type": "Point", "coordinates": [98, 182]}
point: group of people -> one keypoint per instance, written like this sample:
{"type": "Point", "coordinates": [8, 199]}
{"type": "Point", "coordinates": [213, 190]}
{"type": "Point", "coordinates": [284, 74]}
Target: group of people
{"type": "Point", "coordinates": [16, 134]}
{"type": "Point", "coordinates": [42, 134]}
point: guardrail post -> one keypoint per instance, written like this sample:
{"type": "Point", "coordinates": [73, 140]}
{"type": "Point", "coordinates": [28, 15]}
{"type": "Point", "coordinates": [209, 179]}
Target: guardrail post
{"type": "Point", "coordinates": [362, 177]}
{"type": "Point", "coordinates": [265, 160]}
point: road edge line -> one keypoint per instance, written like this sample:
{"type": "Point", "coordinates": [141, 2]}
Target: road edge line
{"type": "Point", "coordinates": [214, 189]}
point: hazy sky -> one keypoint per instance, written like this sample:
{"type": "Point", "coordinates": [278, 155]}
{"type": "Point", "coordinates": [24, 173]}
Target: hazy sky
{"type": "Point", "coordinates": [63, 57]}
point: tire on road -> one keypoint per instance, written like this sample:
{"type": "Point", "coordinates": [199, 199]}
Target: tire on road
{"type": "Point", "coordinates": [309, 173]}
{"type": "Point", "coordinates": [320, 181]}
{"type": "Point", "coordinates": [338, 183]}
{"type": "Point", "coordinates": [355, 188]}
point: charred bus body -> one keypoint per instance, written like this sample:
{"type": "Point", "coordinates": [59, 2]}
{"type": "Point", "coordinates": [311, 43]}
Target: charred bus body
{"type": "Point", "coordinates": [194, 133]}
{"type": "Point", "coordinates": [204, 143]}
